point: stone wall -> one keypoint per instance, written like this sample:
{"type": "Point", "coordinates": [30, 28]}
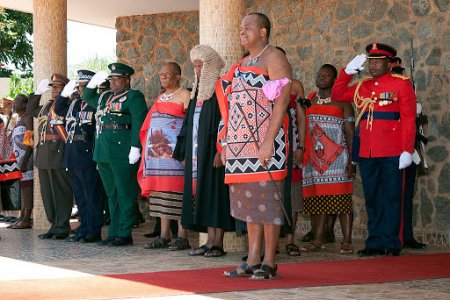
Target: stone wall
{"type": "Point", "coordinates": [146, 42]}
{"type": "Point", "coordinates": [318, 32]}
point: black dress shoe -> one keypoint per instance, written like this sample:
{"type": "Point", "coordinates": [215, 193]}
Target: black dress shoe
{"type": "Point", "coordinates": [46, 236]}
{"type": "Point", "coordinates": [152, 234]}
{"type": "Point", "coordinates": [413, 244]}
{"type": "Point", "coordinates": [370, 252]}
{"type": "Point", "coordinates": [61, 236]}
{"type": "Point", "coordinates": [392, 252]}
{"type": "Point", "coordinates": [92, 238]}
{"type": "Point", "coordinates": [106, 241]}
{"type": "Point", "coordinates": [75, 238]}
{"type": "Point", "coordinates": [122, 241]}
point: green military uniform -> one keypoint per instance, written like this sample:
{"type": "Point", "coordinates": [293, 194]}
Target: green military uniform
{"type": "Point", "coordinates": [119, 119]}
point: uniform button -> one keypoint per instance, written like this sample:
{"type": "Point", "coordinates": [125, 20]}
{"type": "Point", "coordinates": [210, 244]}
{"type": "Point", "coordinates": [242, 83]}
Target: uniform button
{"type": "Point", "coordinates": [373, 93]}
{"type": "Point", "coordinates": [376, 82]}
{"type": "Point", "coordinates": [87, 150]}
{"type": "Point", "coordinates": [59, 150]}
{"type": "Point", "coordinates": [119, 143]}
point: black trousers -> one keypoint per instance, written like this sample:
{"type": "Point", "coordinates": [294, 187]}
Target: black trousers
{"type": "Point", "coordinates": [382, 183]}
{"type": "Point", "coordinates": [89, 195]}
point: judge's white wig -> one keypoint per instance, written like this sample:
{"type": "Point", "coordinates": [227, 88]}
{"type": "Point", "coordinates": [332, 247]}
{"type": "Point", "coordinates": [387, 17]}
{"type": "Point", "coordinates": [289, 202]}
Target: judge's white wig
{"type": "Point", "coordinates": [212, 65]}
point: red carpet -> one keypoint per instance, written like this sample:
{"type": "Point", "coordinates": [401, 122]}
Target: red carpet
{"type": "Point", "coordinates": [354, 271]}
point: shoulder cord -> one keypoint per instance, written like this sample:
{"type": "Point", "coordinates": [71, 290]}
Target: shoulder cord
{"type": "Point", "coordinates": [362, 104]}
{"type": "Point", "coordinates": [71, 120]}
{"type": "Point", "coordinates": [43, 120]}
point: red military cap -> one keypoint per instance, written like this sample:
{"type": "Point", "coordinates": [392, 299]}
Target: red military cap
{"type": "Point", "coordinates": [379, 50]}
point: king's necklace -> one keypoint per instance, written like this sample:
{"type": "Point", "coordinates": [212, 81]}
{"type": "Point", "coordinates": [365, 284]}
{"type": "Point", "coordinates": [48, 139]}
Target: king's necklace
{"type": "Point", "coordinates": [254, 60]}
{"type": "Point", "coordinates": [321, 101]}
{"type": "Point", "coordinates": [168, 97]}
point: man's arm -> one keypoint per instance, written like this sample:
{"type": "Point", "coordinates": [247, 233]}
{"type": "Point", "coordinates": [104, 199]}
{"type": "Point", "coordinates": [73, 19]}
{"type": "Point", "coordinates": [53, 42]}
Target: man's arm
{"type": "Point", "coordinates": [341, 92]}
{"type": "Point", "coordinates": [90, 96]}
{"type": "Point", "coordinates": [33, 107]}
{"type": "Point", "coordinates": [407, 100]}
{"type": "Point", "coordinates": [138, 111]}
{"type": "Point", "coordinates": [277, 68]}
{"type": "Point", "coordinates": [61, 106]}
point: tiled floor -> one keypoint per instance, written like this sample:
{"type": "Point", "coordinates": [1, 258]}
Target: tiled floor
{"type": "Point", "coordinates": [21, 252]}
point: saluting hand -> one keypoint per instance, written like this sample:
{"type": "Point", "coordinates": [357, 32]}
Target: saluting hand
{"type": "Point", "coordinates": [69, 89]}
{"type": "Point", "coordinates": [42, 87]}
{"type": "Point", "coordinates": [97, 79]}
{"type": "Point", "coordinates": [356, 64]}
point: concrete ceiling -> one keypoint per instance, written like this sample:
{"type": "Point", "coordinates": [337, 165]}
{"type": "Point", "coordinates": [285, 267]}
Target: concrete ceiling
{"type": "Point", "coordinates": [105, 12]}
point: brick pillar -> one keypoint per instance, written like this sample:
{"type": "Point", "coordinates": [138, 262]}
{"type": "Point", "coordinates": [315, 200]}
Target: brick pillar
{"type": "Point", "coordinates": [219, 28]}
{"type": "Point", "coordinates": [50, 56]}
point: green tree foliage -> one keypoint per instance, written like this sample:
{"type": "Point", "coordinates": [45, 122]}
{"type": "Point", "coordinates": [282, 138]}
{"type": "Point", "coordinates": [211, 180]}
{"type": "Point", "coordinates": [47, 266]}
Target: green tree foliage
{"type": "Point", "coordinates": [95, 64]}
{"type": "Point", "coordinates": [18, 85]}
{"type": "Point", "coordinates": [16, 47]}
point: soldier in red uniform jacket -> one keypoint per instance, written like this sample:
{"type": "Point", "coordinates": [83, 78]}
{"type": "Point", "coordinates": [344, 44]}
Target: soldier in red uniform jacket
{"type": "Point", "coordinates": [387, 112]}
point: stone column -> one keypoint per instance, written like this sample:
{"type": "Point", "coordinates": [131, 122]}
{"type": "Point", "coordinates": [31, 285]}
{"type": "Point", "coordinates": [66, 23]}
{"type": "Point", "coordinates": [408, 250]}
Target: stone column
{"type": "Point", "coordinates": [50, 56]}
{"type": "Point", "coordinates": [219, 28]}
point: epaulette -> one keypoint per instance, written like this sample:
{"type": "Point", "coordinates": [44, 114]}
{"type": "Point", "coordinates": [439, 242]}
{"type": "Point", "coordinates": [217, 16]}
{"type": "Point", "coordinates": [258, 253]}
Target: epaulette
{"type": "Point", "coordinates": [404, 77]}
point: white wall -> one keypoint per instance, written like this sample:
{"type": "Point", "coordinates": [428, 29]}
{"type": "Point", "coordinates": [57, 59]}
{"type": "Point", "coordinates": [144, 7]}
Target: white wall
{"type": "Point", "coordinates": [4, 87]}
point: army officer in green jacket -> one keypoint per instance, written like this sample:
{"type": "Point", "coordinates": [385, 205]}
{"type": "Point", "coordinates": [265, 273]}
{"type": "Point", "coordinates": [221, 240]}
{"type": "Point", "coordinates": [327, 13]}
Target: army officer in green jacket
{"type": "Point", "coordinates": [120, 114]}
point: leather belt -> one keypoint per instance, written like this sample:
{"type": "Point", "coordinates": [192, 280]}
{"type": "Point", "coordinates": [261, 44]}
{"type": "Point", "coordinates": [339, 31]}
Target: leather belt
{"type": "Point", "coordinates": [51, 137]}
{"type": "Point", "coordinates": [383, 115]}
{"type": "Point", "coordinates": [78, 137]}
{"type": "Point", "coordinates": [116, 126]}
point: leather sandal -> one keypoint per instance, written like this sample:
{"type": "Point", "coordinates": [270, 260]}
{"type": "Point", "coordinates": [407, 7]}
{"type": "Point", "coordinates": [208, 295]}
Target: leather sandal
{"type": "Point", "coordinates": [266, 272]}
{"type": "Point", "coordinates": [215, 251]}
{"type": "Point", "coordinates": [179, 243]}
{"type": "Point", "coordinates": [313, 246]}
{"type": "Point", "coordinates": [292, 250]}
{"type": "Point", "coordinates": [243, 270]}
{"type": "Point", "coordinates": [199, 251]}
{"type": "Point", "coordinates": [346, 248]}
{"type": "Point", "coordinates": [157, 243]}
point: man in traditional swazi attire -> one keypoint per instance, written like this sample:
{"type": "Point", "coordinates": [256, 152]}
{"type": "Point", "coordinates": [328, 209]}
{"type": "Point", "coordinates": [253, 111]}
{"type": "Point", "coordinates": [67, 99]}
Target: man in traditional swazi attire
{"type": "Point", "coordinates": [78, 158]}
{"type": "Point", "coordinates": [161, 176]}
{"type": "Point", "coordinates": [56, 189]}
{"type": "Point", "coordinates": [253, 103]}
{"type": "Point", "coordinates": [387, 112]}
{"type": "Point", "coordinates": [119, 116]}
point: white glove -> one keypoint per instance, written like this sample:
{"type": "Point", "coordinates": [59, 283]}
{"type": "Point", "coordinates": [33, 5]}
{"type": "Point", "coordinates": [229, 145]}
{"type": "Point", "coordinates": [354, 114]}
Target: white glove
{"type": "Point", "coordinates": [42, 87]}
{"type": "Point", "coordinates": [415, 157]}
{"type": "Point", "coordinates": [97, 79]}
{"type": "Point", "coordinates": [355, 65]}
{"type": "Point", "coordinates": [135, 154]}
{"type": "Point", "coordinates": [418, 108]}
{"type": "Point", "coordinates": [69, 89]}
{"type": "Point", "coordinates": [405, 160]}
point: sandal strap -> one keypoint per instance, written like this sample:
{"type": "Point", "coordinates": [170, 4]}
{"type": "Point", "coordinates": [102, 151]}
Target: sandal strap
{"type": "Point", "coordinates": [180, 243]}
{"type": "Point", "coordinates": [157, 243]}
